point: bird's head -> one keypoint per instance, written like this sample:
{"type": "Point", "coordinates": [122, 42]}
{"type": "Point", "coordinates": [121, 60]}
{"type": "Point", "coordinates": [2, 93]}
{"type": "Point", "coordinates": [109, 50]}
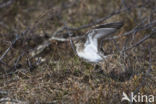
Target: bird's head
{"type": "Point", "coordinates": [79, 44]}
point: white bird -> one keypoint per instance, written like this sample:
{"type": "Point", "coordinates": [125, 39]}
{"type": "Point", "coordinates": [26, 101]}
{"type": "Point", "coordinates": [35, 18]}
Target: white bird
{"type": "Point", "coordinates": [90, 47]}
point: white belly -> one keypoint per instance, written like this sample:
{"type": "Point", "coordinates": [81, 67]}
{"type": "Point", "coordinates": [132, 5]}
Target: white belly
{"type": "Point", "coordinates": [90, 53]}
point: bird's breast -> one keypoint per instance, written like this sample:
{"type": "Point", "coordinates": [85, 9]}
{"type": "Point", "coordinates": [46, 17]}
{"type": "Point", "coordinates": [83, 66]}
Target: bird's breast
{"type": "Point", "coordinates": [90, 53]}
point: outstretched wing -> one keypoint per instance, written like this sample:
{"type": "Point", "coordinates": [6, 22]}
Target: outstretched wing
{"type": "Point", "coordinates": [100, 32]}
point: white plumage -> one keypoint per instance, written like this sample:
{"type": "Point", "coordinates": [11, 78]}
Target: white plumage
{"type": "Point", "coordinates": [91, 51]}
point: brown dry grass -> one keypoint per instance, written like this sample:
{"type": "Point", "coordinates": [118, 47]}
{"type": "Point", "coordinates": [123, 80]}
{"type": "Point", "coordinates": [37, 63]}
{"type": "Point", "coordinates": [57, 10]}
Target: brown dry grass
{"type": "Point", "coordinates": [64, 77]}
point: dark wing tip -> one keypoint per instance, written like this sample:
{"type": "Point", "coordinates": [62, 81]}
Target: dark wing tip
{"type": "Point", "coordinates": [116, 25]}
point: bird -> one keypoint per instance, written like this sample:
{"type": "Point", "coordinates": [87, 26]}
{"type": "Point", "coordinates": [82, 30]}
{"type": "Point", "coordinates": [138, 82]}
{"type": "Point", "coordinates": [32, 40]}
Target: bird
{"type": "Point", "coordinates": [89, 48]}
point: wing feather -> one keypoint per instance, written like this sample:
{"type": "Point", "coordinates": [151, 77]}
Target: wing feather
{"type": "Point", "coordinates": [106, 29]}
{"type": "Point", "coordinates": [100, 32]}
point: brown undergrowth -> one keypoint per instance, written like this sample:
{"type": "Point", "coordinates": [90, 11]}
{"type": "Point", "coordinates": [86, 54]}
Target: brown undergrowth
{"type": "Point", "coordinates": [64, 78]}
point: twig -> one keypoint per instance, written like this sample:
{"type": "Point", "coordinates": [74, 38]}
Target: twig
{"type": "Point", "coordinates": [139, 42]}
{"type": "Point", "coordinates": [134, 30]}
{"type": "Point", "coordinates": [7, 50]}
{"type": "Point", "coordinates": [137, 28]}
{"type": "Point", "coordinates": [98, 21]}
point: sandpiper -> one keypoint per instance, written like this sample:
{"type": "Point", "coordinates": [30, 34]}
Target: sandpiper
{"type": "Point", "coordinates": [90, 47]}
